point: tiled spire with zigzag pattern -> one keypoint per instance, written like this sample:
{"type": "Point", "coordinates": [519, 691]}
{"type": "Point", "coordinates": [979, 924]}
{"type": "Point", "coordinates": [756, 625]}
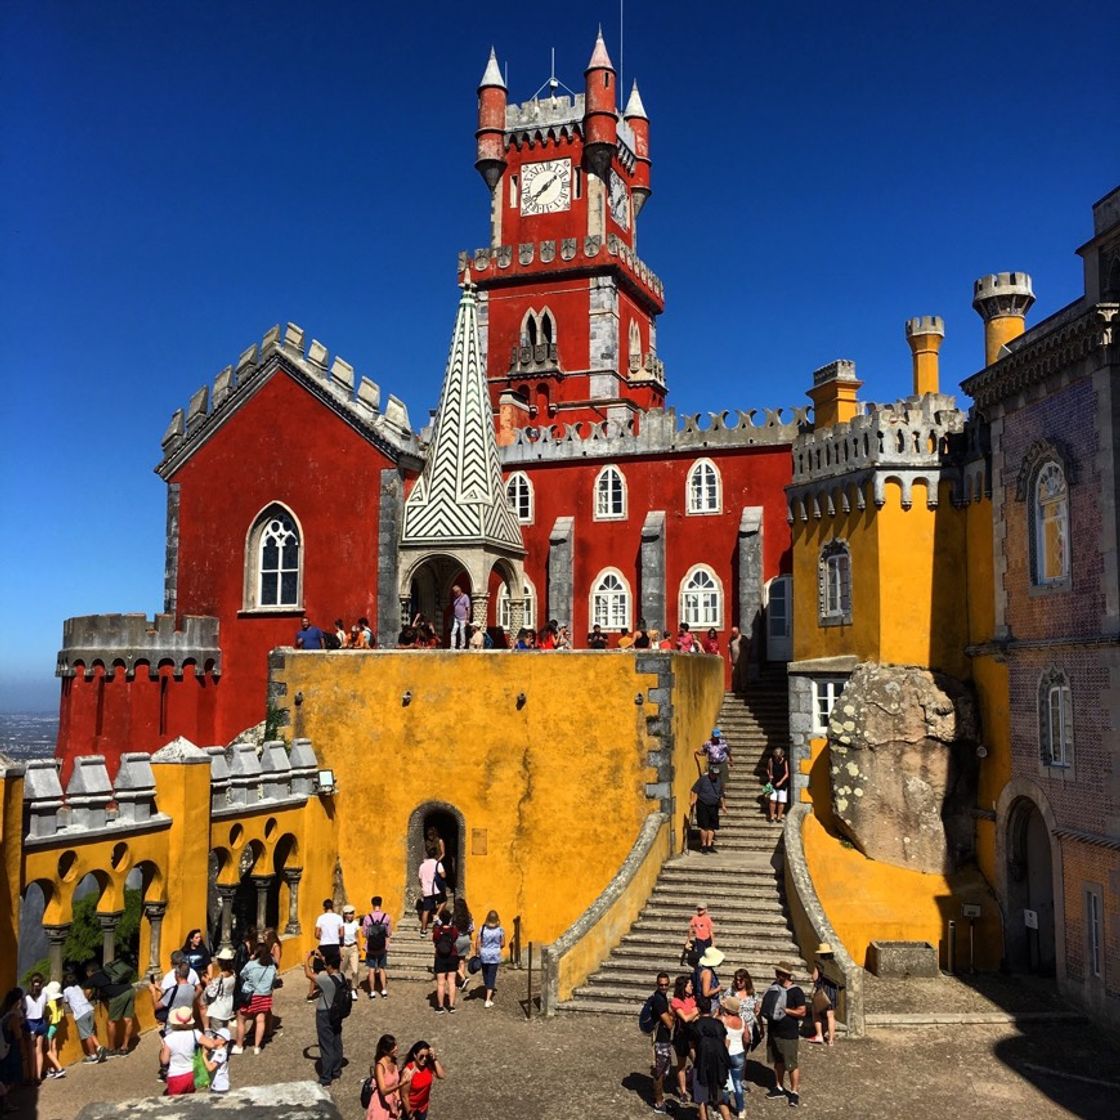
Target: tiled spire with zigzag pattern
{"type": "Point", "coordinates": [460, 497]}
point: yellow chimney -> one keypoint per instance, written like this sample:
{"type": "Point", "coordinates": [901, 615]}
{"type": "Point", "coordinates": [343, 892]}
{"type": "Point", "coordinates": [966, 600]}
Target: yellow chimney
{"type": "Point", "coordinates": [1002, 300]}
{"type": "Point", "coordinates": [834, 393]}
{"type": "Point", "coordinates": [924, 334]}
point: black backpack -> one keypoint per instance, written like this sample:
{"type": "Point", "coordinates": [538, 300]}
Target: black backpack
{"type": "Point", "coordinates": [445, 943]}
{"type": "Point", "coordinates": [342, 1001]}
{"type": "Point", "coordinates": [330, 640]}
{"type": "Point", "coordinates": [377, 936]}
{"type": "Point", "coordinates": [647, 1018]}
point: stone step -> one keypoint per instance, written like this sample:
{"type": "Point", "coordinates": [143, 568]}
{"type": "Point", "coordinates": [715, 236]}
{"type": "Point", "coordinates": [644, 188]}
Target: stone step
{"type": "Point", "coordinates": [717, 895]}
{"type": "Point", "coordinates": [633, 962]}
{"type": "Point", "coordinates": [725, 911]}
{"type": "Point", "coordinates": [681, 878]}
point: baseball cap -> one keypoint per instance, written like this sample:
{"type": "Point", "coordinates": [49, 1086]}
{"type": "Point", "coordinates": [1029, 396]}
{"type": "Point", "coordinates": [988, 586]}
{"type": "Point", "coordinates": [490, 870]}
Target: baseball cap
{"type": "Point", "coordinates": [716, 733]}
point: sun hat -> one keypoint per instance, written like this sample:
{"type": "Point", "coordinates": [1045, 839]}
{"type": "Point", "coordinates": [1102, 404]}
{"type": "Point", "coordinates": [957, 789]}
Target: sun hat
{"type": "Point", "coordinates": [181, 1017]}
{"type": "Point", "coordinates": [701, 906]}
{"type": "Point", "coordinates": [53, 991]}
{"type": "Point", "coordinates": [731, 1005]}
{"type": "Point", "coordinates": [712, 957]}
{"type": "Point", "coordinates": [348, 909]}
{"type": "Point", "coordinates": [824, 948]}
{"type": "Point", "coordinates": [223, 1032]}
{"type": "Point", "coordinates": [226, 954]}
{"type": "Point", "coordinates": [783, 968]}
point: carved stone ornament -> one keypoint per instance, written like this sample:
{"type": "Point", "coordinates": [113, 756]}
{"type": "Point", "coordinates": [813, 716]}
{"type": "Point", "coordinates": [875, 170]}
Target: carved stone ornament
{"type": "Point", "coordinates": [505, 256]}
{"type": "Point", "coordinates": [1038, 453]}
{"type": "Point", "coordinates": [568, 248]}
{"type": "Point", "coordinates": [481, 260]}
{"type": "Point", "coordinates": [548, 251]}
{"type": "Point", "coordinates": [525, 252]}
{"type": "Point", "coordinates": [591, 246]}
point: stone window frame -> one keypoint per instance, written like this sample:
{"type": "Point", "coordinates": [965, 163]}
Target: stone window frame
{"type": "Point", "coordinates": [1041, 455]}
{"type": "Point", "coordinates": [832, 554]}
{"type": "Point", "coordinates": [693, 618]}
{"type": "Point", "coordinates": [1055, 702]}
{"type": "Point", "coordinates": [607, 481]}
{"type": "Point", "coordinates": [254, 547]}
{"type": "Point", "coordinates": [522, 502]}
{"type": "Point", "coordinates": [829, 683]}
{"type": "Point", "coordinates": [1093, 905]}
{"type": "Point", "coordinates": [538, 328]}
{"type": "Point", "coordinates": [697, 503]}
{"type": "Point", "coordinates": [623, 594]}
{"type": "Point", "coordinates": [505, 609]}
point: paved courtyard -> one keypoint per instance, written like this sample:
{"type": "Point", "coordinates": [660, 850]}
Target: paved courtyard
{"type": "Point", "coordinates": [500, 1065]}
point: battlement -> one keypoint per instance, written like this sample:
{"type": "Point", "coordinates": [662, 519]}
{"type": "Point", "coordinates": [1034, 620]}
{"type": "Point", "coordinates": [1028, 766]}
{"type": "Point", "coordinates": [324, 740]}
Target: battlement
{"type": "Point", "coordinates": [924, 325]}
{"type": "Point", "coordinates": [126, 640]}
{"type": "Point", "coordinates": [568, 252]}
{"type": "Point", "coordinates": [548, 118]}
{"type": "Point", "coordinates": [660, 431]}
{"type": "Point", "coordinates": [1002, 293]}
{"type": "Point", "coordinates": [353, 396]}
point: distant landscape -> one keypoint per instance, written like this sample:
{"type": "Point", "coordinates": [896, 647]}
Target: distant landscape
{"type": "Point", "coordinates": [26, 735]}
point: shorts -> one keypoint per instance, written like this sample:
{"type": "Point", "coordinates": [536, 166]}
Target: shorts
{"type": "Point", "coordinates": [680, 1043]}
{"type": "Point", "coordinates": [782, 1050]}
{"type": "Point", "coordinates": [52, 1030]}
{"type": "Point", "coordinates": [122, 1006]}
{"type": "Point", "coordinates": [446, 964]}
{"type": "Point", "coordinates": [86, 1026]}
{"type": "Point", "coordinates": [781, 796]}
{"type": "Point", "coordinates": [259, 1005]}
{"type": "Point", "coordinates": [378, 960]}
{"type": "Point", "coordinates": [707, 817]}
{"type": "Point", "coordinates": [180, 1084]}
{"type": "Point", "coordinates": [428, 903]}
{"type": "Point", "coordinates": [37, 1028]}
{"type": "Point", "coordinates": [662, 1058]}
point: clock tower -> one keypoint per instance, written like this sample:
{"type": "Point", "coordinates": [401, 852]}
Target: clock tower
{"type": "Point", "coordinates": [567, 309]}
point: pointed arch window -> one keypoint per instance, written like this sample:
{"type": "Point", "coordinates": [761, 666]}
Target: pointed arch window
{"type": "Point", "coordinates": [1050, 513]}
{"type": "Point", "coordinates": [274, 561]}
{"type": "Point", "coordinates": [610, 495]}
{"type": "Point", "coordinates": [505, 607]}
{"type": "Point", "coordinates": [610, 600]}
{"type": "Point", "coordinates": [519, 492]}
{"type": "Point", "coordinates": [704, 487]}
{"type": "Point", "coordinates": [635, 345]}
{"type": "Point", "coordinates": [1055, 719]}
{"type": "Point", "coordinates": [701, 604]}
{"type": "Point", "coordinates": [834, 584]}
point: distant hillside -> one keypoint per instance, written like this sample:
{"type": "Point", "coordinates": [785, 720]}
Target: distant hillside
{"type": "Point", "coordinates": [28, 734]}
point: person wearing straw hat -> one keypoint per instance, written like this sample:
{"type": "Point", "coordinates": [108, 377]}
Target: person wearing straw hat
{"type": "Point", "coordinates": [349, 947]}
{"type": "Point", "coordinates": [825, 997]}
{"type": "Point", "coordinates": [177, 1052]}
{"type": "Point", "coordinates": [705, 981]}
{"type": "Point", "coordinates": [784, 1009]}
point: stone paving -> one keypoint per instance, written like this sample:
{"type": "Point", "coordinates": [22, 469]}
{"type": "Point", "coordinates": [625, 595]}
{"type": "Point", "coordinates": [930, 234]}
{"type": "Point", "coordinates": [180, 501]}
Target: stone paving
{"type": "Point", "coordinates": [500, 1065]}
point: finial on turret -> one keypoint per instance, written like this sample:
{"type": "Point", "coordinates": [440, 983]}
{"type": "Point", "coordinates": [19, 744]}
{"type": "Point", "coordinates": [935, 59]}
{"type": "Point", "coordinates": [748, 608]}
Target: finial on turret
{"type": "Point", "coordinates": [634, 106]}
{"type": "Point", "coordinates": [492, 75]}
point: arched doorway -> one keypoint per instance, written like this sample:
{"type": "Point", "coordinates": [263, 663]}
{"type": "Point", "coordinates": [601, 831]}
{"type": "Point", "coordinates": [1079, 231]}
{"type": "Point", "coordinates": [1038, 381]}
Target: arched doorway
{"type": "Point", "coordinates": [449, 826]}
{"type": "Point", "coordinates": [429, 592]}
{"type": "Point", "coordinates": [1030, 892]}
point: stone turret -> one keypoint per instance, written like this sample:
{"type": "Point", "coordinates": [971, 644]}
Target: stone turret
{"type": "Point", "coordinates": [925, 335]}
{"type": "Point", "coordinates": [1002, 300]}
{"type": "Point", "coordinates": [635, 116]}
{"type": "Point", "coordinates": [600, 120]}
{"type": "Point", "coordinates": [490, 135]}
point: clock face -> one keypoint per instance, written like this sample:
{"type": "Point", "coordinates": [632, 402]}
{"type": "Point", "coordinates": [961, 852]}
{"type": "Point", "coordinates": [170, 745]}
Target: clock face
{"type": "Point", "coordinates": [620, 201]}
{"type": "Point", "coordinates": [546, 187]}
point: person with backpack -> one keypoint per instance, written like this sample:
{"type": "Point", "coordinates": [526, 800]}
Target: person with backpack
{"type": "Point", "coordinates": [446, 968]}
{"type": "Point", "coordinates": [705, 980]}
{"type": "Point", "coordinates": [784, 1010]}
{"type": "Point", "coordinates": [377, 929]}
{"type": "Point", "coordinates": [332, 1007]}
{"type": "Point", "coordinates": [710, 1062]}
{"type": "Point", "coordinates": [385, 1086]}
{"type": "Point", "coordinates": [258, 978]}
{"type": "Point", "coordinates": [656, 1020]}
{"type": "Point", "coordinates": [112, 984]}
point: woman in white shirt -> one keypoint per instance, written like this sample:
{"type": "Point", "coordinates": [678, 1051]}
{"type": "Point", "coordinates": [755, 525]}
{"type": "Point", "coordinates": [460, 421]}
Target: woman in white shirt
{"type": "Point", "coordinates": [35, 1023]}
{"type": "Point", "coordinates": [178, 1050]}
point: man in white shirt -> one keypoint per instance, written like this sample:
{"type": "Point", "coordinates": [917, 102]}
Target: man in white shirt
{"type": "Point", "coordinates": [328, 927]}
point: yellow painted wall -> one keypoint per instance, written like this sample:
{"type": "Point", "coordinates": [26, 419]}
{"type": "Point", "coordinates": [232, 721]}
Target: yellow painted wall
{"type": "Point", "coordinates": [980, 570]}
{"type": "Point", "coordinates": [866, 900]}
{"type": "Point", "coordinates": [993, 689]}
{"type": "Point", "coordinates": [11, 827]}
{"type": "Point", "coordinates": [552, 793]}
{"type": "Point", "coordinates": [861, 638]}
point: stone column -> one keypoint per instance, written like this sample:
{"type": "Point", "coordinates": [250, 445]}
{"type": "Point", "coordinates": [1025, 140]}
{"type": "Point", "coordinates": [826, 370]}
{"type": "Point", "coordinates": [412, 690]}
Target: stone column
{"type": "Point", "coordinates": [292, 876]}
{"type": "Point", "coordinates": [154, 912]}
{"type": "Point", "coordinates": [262, 883]}
{"type": "Point", "coordinates": [516, 615]}
{"type": "Point", "coordinates": [108, 924]}
{"type": "Point", "coordinates": [225, 900]}
{"type": "Point", "coordinates": [56, 939]}
{"type": "Point", "coordinates": [480, 607]}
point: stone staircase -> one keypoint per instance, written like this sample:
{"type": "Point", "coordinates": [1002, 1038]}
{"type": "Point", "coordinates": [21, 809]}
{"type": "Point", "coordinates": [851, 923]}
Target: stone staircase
{"type": "Point", "coordinates": [741, 883]}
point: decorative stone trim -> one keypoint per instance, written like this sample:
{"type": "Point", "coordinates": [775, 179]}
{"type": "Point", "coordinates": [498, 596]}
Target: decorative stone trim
{"type": "Point", "coordinates": [123, 640]}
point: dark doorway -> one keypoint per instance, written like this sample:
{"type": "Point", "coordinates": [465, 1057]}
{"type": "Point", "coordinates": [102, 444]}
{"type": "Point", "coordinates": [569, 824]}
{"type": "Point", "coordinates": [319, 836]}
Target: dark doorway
{"type": "Point", "coordinates": [1030, 892]}
{"type": "Point", "coordinates": [436, 819]}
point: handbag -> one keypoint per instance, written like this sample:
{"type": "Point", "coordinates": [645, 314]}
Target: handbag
{"type": "Point", "coordinates": [474, 964]}
{"type": "Point", "coordinates": [821, 1002]}
{"type": "Point", "coordinates": [768, 788]}
{"type": "Point", "coordinates": [201, 1073]}
{"type": "Point", "coordinates": [365, 1093]}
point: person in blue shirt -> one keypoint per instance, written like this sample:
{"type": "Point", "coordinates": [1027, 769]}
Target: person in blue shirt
{"type": "Point", "coordinates": [308, 636]}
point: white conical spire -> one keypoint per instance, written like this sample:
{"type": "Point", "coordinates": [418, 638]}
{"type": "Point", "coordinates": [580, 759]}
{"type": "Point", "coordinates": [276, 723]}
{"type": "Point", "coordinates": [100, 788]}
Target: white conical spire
{"type": "Point", "coordinates": [459, 497]}
{"type": "Point", "coordinates": [634, 107]}
{"type": "Point", "coordinates": [492, 75]}
{"type": "Point", "coordinates": [599, 57]}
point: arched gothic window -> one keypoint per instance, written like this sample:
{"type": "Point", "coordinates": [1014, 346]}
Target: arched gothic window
{"type": "Point", "coordinates": [1055, 719]}
{"type": "Point", "coordinates": [834, 584]}
{"type": "Point", "coordinates": [610, 495]}
{"type": "Point", "coordinates": [701, 598]}
{"type": "Point", "coordinates": [505, 610]}
{"type": "Point", "coordinates": [703, 487]}
{"type": "Point", "coordinates": [274, 560]}
{"type": "Point", "coordinates": [519, 492]}
{"type": "Point", "coordinates": [635, 344]}
{"type": "Point", "coordinates": [1050, 513]}
{"type": "Point", "coordinates": [610, 601]}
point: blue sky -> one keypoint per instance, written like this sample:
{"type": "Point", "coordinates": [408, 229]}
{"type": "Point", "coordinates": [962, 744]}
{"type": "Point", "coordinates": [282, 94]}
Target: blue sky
{"type": "Point", "coordinates": [179, 177]}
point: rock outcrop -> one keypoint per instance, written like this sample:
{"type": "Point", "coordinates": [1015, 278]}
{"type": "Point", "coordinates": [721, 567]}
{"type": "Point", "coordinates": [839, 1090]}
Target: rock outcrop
{"type": "Point", "coordinates": [902, 745]}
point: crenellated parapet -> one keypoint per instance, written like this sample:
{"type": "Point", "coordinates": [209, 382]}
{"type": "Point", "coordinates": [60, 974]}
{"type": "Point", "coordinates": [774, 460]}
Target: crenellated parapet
{"type": "Point", "coordinates": [564, 254]}
{"type": "Point", "coordinates": [915, 440]}
{"type": "Point", "coordinates": [542, 119]}
{"type": "Point", "coordinates": [243, 779]}
{"type": "Point", "coordinates": [661, 431]}
{"type": "Point", "coordinates": [91, 805]}
{"type": "Point", "coordinates": [125, 641]}
{"type": "Point", "coordinates": [351, 395]}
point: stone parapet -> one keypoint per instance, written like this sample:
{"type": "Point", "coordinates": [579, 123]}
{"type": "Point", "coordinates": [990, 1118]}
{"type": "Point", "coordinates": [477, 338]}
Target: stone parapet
{"type": "Point", "coordinates": [351, 395]}
{"type": "Point", "coordinates": [124, 640]}
{"type": "Point", "coordinates": [660, 432]}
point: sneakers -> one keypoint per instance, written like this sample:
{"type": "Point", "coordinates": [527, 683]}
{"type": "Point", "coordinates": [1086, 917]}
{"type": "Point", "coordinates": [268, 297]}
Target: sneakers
{"type": "Point", "coordinates": [451, 1011]}
{"type": "Point", "coordinates": [372, 994]}
{"type": "Point", "coordinates": [441, 1009]}
{"type": "Point", "coordinates": [794, 1100]}
{"type": "Point", "coordinates": [354, 994]}
{"type": "Point", "coordinates": [488, 1003]}
{"type": "Point", "coordinates": [237, 1049]}
{"type": "Point", "coordinates": [256, 1049]}
{"type": "Point", "coordinates": [54, 1074]}
{"type": "Point", "coordinates": [775, 1094]}
{"type": "Point", "coordinates": [384, 993]}
{"type": "Point", "coordinates": [660, 1108]}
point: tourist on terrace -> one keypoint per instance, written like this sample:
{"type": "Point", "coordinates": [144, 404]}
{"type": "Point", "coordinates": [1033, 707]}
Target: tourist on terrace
{"type": "Point", "coordinates": [357, 638]}
{"type": "Point", "coordinates": [825, 997]}
{"type": "Point", "coordinates": [77, 999]}
{"type": "Point", "coordinates": [625, 638]}
{"type": "Point", "coordinates": [717, 750]}
{"type": "Point", "coordinates": [710, 644]}
{"type": "Point", "coordinates": [12, 1071]}
{"type": "Point", "coordinates": [349, 947]}
{"type": "Point", "coordinates": [777, 778]}
{"type": "Point", "coordinates": [642, 639]}
{"type": "Point", "coordinates": [596, 639]}
{"type": "Point", "coordinates": [178, 1050]}
{"type": "Point", "coordinates": [219, 993]}
{"type": "Point", "coordinates": [431, 874]}
{"type": "Point", "coordinates": [783, 1031]}
{"type": "Point", "coordinates": [686, 640]}
{"type": "Point", "coordinates": [563, 638]}
{"type": "Point", "coordinates": [710, 1063]}
{"type": "Point", "coordinates": [196, 954]}
{"type": "Point", "coordinates": [445, 937]}
{"type": "Point", "coordinates": [377, 929]}
{"type": "Point", "coordinates": [666, 642]}
{"type": "Point", "coordinates": [308, 636]}
{"type": "Point", "coordinates": [114, 988]}
{"type": "Point", "coordinates": [461, 614]}
{"type": "Point", "coordinates": [35, 1024]}
{"type": "Point", "coordinates": [662, 1040]}
{"type": "Point", "coordinates": [546, 639]}
{"type": "Point", "coordinates": [464, 923]}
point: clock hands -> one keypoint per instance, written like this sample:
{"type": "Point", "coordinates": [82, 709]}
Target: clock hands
{"type": "Point", "coordinates": [549, 180]}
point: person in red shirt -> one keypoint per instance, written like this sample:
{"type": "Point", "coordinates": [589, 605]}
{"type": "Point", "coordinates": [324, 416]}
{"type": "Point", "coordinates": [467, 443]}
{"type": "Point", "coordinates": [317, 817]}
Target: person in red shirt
{"type": "Point", "coordinates": [421, 1069]}
{"type": "Point", "coordinates": [700, 929]}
